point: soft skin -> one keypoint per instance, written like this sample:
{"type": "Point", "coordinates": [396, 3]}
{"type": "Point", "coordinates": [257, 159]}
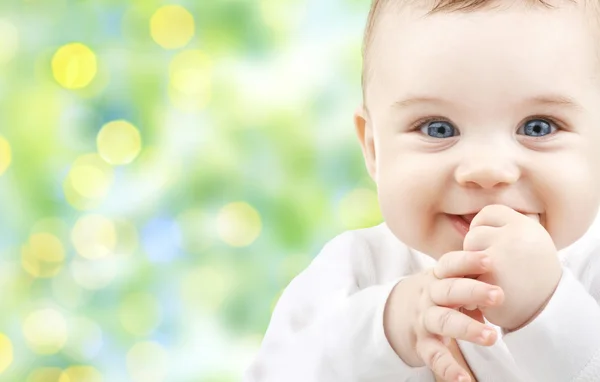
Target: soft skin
{"type": "Point", "coordinates": [493, 107]}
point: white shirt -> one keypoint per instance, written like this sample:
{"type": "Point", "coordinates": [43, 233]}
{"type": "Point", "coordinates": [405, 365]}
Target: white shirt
{"type": "Point", "coordinates": [328, 324]}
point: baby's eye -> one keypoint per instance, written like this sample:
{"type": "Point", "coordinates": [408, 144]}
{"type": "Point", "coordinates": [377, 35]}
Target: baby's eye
{"type": "Point", "coordinates": [439, 129]}
{"type": "Point", "coordinates": [537, 128]}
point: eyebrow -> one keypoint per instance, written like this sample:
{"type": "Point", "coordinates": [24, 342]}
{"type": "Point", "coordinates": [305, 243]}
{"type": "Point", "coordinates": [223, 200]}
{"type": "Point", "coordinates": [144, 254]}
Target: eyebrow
{"type": "Point", "coordinates": [544, 100]}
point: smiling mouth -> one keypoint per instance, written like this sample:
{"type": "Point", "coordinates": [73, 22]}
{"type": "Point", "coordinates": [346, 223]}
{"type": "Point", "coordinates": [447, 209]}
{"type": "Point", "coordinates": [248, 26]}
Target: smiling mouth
{"type": "Point", "coordinates": [468, 218]}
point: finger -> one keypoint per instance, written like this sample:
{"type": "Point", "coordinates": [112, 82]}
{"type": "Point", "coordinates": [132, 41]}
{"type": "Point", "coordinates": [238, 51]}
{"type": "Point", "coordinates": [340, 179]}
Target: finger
{"type": "Point", "coordinates": [479, 238]}
{"type": "Point", "coordinates": [462, 263]}
{"type": "Point", "coordinates": [465, 292]}
{"type": "Point", "coordinates": [455, 292]}
{"type": "Point", "coordinates": [494, 215]}
{"type": "Point", "coordinates": [439, 359]}
{"type": "Point", "coordinates": [452, 323]}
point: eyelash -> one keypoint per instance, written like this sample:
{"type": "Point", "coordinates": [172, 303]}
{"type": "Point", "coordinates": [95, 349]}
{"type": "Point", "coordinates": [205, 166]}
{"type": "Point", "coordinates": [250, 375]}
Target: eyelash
{"type": "Point", "coordinates": [416, 127]}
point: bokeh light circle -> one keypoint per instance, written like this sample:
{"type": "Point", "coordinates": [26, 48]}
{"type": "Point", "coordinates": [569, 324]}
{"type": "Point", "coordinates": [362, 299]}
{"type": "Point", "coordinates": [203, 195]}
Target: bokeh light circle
{"type": "Point", "coordinates": [74, 66]}
{"type": "Point", "coordinates": [238, 224]}
{"type": "Point", "coordinates": [94, 236]}
{"type": "Point", "coordinates": [45, 331]}
{"type": "Point", "coordinates": [43, 256]}
{"type": "Point", "coordinates": [5, 155]}
{"type": "Point", "coordinates": [119, 142]}
{"type": "Point", "coordinates": [45, 374]}
{"type": "Point", "coordinates": [81, 373]}
{"type": "Point", "coordinates": [190, 76]}
{"type": "Point", "coordinates": [88, 182]}
{"type": "Point", "coordinates": [172, 26]}
{"type": "Point", "coordinates": [94, 274]}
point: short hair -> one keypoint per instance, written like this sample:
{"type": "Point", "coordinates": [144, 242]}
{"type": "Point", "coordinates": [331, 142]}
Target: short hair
{"type": "Point", "coordinates": [436, 6]}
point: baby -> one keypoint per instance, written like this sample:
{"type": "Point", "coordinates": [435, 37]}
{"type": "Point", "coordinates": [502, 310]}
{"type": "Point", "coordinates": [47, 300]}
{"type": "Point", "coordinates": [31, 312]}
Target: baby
{"type": "Point", "coordinates": [480, 125]}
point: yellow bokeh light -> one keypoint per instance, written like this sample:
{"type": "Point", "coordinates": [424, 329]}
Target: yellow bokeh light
{"type": "Point", "coordinates": [74, 66]}
{"type": "Point", "coordinates": [190, 76]}
{"type": "Point", "coordinates": [5, 155]}
{"type": "Point", "coordinates": [172, 26]}
{"type": "Point", "coordinates": [9, 41]}
{"type": "Point", "coordinates": [45, 374]}
{"type": "Point", "coordinates": [190, 71]}
{"type": "Point", "coordinates": [45, 331]}
{"type": "Point", "coordinates": [81, 374]}
{"type": "Point", "coordinates": [238, 224]}
{"type": "Point", "coordinates": [119, 142]}
{"type": "Point", "coordinates": [359, 209]}
{"type": "Point", "coordinates": [6, 352]}
{"type": "Point", "coordinates": [88, 182]}
{"type": "Point", "coordinates": [140, 313]}
{"type": "Point", "coordinates": [94, 236]}
{"type": "Point", "coordinates": [43, 256]}
{"type": "Point", "coordinates": [147, 362]}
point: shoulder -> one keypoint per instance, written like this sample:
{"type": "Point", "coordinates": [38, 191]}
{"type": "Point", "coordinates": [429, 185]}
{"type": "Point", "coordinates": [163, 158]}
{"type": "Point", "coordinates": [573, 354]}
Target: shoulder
{"type": "Point", "coordinates": [373, 255]}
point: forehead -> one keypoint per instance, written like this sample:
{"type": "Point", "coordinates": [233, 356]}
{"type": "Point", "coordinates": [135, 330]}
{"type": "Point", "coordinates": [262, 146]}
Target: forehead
{"type": "Point", "coordinates": [534, 47]}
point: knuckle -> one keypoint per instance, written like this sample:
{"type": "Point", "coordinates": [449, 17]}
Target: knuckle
{"type": "Point", "coordinates": [444, 320]}
{"type": "Point", "coordinates": [434, 358]}
{"type": "Point", "coordinates": [473, 290]}
{"type": "Point", "coordinates": [439, 363]}
{"type": "Point", "coordinates": [451, 288]}
{"type": "Point", "coordinates": [469, 327]}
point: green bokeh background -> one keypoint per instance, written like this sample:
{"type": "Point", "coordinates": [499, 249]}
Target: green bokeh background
{"type": "Point", "coordinates": [276, 134]}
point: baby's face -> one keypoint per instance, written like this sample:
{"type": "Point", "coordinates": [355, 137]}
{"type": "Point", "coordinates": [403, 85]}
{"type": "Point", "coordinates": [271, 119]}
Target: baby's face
{"type": "Point", "coordinates": [491, 107]}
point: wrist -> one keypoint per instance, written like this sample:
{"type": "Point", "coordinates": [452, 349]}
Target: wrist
{"type": "Point", "coordinates": [397, 329]}
{"type": "Point", "coordinates": [535, 314]}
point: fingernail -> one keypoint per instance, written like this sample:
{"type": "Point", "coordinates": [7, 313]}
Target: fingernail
{"type": "Point", "coordinates": [462, 378]}
{"type": "Point", "coordinates": [493, 295]}
{"type": "Point", "coordinates": [485, 335]}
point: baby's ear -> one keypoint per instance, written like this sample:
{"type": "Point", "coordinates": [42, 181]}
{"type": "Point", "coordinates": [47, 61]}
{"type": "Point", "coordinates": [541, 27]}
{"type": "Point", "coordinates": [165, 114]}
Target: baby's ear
{"type": "Point", "coordinates": [364, 131]}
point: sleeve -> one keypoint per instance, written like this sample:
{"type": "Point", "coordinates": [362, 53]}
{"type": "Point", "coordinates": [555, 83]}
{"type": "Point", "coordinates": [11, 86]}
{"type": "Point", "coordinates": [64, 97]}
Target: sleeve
{"type": "Point", "coordinates": [325, 328]}
{"type": "Point", "coordinates": [565, 335]}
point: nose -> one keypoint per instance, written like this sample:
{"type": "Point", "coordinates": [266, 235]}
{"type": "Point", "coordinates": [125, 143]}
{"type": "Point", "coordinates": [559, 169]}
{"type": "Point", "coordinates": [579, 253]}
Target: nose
{"type": "Point", "coordinates": [487, 170]}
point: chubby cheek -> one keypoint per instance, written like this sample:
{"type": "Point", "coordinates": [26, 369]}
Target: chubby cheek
{"type": "Point", "coordinates": [409, 197]}
{"type": "Point", "coordinates": [571, 196]}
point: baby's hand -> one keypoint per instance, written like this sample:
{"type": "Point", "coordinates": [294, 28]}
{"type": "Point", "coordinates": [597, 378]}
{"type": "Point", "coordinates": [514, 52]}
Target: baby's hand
{"type": "Point", "coordinates": [422, 312]}
{"type": "Point", "coordinates": [525, 263]}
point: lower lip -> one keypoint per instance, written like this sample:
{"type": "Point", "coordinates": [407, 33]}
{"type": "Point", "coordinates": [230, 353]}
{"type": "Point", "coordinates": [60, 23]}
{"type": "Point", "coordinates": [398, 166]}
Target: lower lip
{"type": "Point", "coordinates": [460, 224]}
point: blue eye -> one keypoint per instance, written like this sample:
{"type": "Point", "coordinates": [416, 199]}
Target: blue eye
{"type": "Point", "coordinates": [537, 128]}
{"type": "Point", "coordinates": [439, 129]}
